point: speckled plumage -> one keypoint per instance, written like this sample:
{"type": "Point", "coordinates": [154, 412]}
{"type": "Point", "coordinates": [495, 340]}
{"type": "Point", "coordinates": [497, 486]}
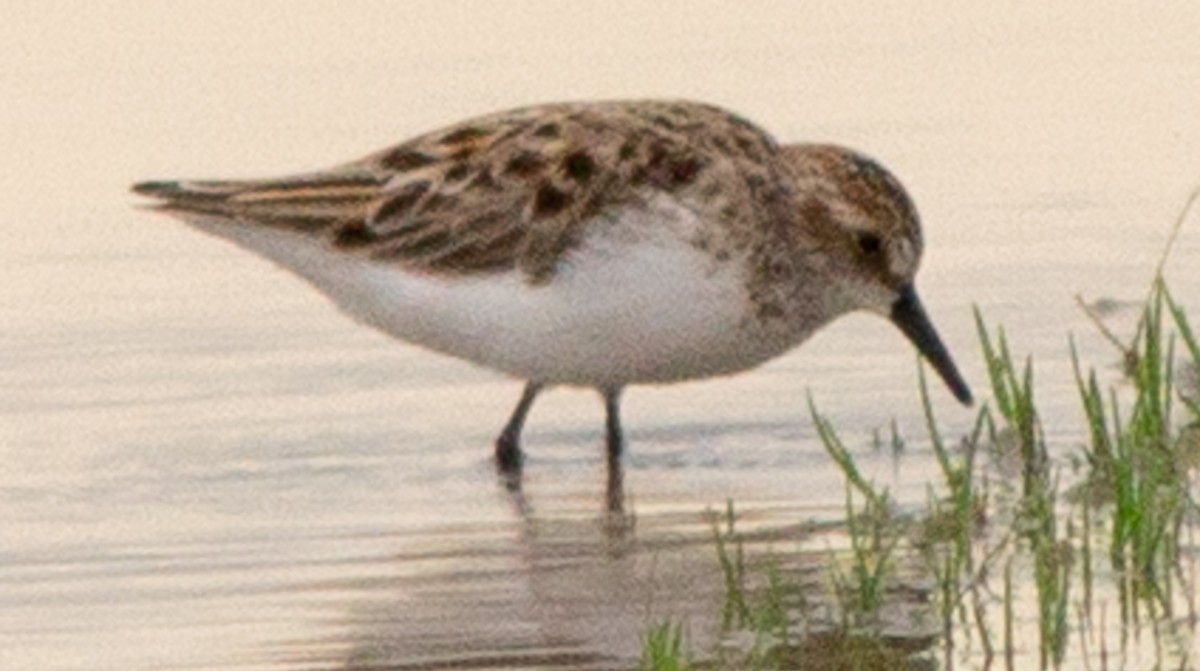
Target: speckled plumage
{"type": "Point", "coordinates": [621, 242]}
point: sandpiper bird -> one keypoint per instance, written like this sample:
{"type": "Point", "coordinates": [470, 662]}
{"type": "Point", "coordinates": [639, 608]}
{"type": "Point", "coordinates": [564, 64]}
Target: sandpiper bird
{"type": "Point", "coordinates": [591, 244]}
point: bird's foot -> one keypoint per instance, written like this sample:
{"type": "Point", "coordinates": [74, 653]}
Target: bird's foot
{"type": "Point", "coordinates": [509, 457]}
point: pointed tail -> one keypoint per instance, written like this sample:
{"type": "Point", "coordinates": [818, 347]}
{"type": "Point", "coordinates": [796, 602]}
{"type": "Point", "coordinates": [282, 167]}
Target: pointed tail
{"type": "Point", "coordinates": [320, 196]}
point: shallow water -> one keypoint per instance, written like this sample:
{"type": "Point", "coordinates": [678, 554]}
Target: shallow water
{"type": "Point", "coordinates": [206, 466]}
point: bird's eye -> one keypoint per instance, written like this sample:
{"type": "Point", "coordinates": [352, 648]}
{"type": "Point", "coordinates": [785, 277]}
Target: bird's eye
{"type": "Point", "coordinates": [869, 243]}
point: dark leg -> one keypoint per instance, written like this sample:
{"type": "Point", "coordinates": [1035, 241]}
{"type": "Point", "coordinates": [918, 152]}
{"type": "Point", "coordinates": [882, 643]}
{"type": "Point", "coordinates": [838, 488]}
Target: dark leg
{"type": "Point", "coordinates": [615, 443]}
{"type": "Point", "coordinates": [508, 445]}
{"type": "Point", "coordinates": [612, 410]}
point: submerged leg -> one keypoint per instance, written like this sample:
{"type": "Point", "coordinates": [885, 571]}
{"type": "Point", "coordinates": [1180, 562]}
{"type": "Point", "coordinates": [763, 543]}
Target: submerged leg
{"type": "Point", "coordinates": [508, 445]}
{"type": "Point", "coordinates": [615, 493]}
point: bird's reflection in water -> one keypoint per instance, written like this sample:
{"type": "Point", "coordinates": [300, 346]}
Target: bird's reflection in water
{"type": "Point", "coordinates": [511, 481]}
{"type": "Point", "coordinates": [554, 590]}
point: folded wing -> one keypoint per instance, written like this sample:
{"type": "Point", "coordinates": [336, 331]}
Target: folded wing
{"type": "Point", "coordinates": [517, 189]}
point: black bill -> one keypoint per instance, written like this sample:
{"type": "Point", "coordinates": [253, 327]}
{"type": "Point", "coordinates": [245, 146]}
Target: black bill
{"type": "Point", "coordinates": [909, 317]}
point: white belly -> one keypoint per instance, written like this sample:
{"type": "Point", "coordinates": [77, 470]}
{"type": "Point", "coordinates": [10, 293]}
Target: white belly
{"type": "Point", "coordinates": [628, 307]}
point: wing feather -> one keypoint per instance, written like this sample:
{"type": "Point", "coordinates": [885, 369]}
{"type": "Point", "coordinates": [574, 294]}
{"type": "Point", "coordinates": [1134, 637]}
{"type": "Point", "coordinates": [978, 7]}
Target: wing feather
{"type": "Point", "coordinates": [519, 189]}
{"type": "Point", "coordinates": [513, 190]}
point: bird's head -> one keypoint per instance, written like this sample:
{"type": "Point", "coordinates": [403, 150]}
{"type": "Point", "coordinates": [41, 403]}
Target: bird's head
{"type": "Point", "coordinates": [869, 243]}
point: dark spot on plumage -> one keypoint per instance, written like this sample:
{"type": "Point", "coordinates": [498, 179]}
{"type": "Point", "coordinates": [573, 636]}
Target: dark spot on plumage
{"type": "Point", "coordinates": [464, 134]}
{"type": "Point", "coordinates": [353, 234]}
{"type": "Point", "coordinates": [755, 183]}
{"type": "Point", "coordinates": [462, 154]}
{"type": "Point", "coordinates": [770, 310]}
{"type": "Point", "coordinates": [721, 145]}
{"type": "Point", "coordinates": [483, 180]}
{"type": "Point", "coordinates": [628, 150]}
{"type": "Point", "coordinates": [405, 159]}
{"type": "Point", "coordinates": [549, 201]}
{"type": "Point", "coordinates": [579, 166]}
{"type": "Point", "coordinates": [549, 130]}
{"type": "Point", "coordinates": [458, 173]}
{"type": "Point", "coordinates": [814, 210]}
{"type": "Point", "coordinates": [526, 164]}
{"type": "Point", "coordinates": [669, 169]}
{"type": "Point", "coordinates": [658, 155]}
{"type": "Point", "coordinates": [685, 170]}
{"type": "Point", "coordinates": [663, 122]}
{"type": "Point", "coordinates": [436, 202]}
{"type": "Point", "coordinates": [402, 202]}
{"type": "Point", "coordinates": [779, 270]}
{"type": "Point", "coordinates": [511, 132]}
{"type": "Point", "coordinates": [748, 147]}
{"type": "Point", "coordinates": [722, 255]}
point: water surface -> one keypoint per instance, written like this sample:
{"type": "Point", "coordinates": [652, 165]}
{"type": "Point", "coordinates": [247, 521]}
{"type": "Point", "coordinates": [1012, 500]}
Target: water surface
{"type": "Point", "coordinates": [206, 466]}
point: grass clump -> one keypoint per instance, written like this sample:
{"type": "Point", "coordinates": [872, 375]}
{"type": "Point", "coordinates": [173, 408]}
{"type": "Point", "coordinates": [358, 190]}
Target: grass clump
{"type": "Point", "coordinates": [1140, 465]}
{"type": "Point", "coordinates": [731, 555]}
{"type": "Point", "coordinates": [1037, 519]}
{"type": "Point", "coordinates": [663, 649]}
{"type": "Point", "coordinates": [873, 530]}
{"type": "Point", "coordinates": [764, 612]}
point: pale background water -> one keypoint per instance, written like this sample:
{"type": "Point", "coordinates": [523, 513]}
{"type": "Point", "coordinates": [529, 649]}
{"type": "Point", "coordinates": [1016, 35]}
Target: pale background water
{"type": "Point", "coordinates": [205, 466]}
